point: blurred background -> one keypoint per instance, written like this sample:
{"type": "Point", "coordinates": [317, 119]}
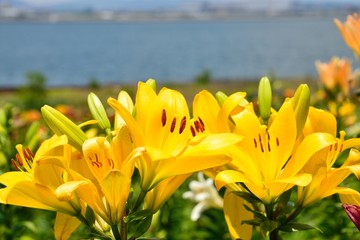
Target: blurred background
{"type": "Point", "coordinates": [76, 43]}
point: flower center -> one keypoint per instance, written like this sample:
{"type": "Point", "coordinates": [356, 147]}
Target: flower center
{"type": "Point", "coordinates": [173, 122]}
{"type": "Point", "coordinates": [24, 159]}
{"type": "Point", "coordinates": [263, 141]}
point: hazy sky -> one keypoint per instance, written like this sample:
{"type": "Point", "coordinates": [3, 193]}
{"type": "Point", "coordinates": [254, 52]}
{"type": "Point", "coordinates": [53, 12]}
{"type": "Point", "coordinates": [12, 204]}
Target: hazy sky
{"type": "Point", "coordinates": [139, 4]}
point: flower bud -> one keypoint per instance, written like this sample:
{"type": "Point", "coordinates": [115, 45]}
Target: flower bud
{"type": "Point", "coordinates": [221, 97]}
{"type": "Point", "coordinates": [61, 125]}
{"type": "Point", "coordinates": [264, 98]}
{"type": "Point", "coordinates": [151, 83]}
{"type": "Point", "coordinates": [125, 100]}
{"type": "Point", "coordinates": [98, 111]}
{"type": "Point", "coordinates": [301, 104]}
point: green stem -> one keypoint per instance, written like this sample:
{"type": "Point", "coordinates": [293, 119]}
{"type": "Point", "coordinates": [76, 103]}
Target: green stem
{"type": "Point", "coordinates": [116, 232]}
{"type": "Point", "coordinates": [139, 200]}
{"type": "Point", "coordinates": [294, 214]}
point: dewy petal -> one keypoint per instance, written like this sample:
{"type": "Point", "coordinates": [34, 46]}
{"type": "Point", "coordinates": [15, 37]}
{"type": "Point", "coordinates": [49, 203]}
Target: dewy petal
{"type": "Point", "coordinates": [235, 213]}
{"type": "Point", "coordinates": [64, 226]}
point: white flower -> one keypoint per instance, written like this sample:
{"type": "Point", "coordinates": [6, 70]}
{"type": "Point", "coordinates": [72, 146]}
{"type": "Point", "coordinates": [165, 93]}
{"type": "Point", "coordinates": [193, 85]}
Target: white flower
{"type": "Point", "coordinates": [205, 194]}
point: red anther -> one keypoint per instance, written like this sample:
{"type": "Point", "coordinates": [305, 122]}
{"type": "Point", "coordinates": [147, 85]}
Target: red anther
{"type": "Point", "coordinates": [202, 123]}
{"type": "Point", "coordinates": [163, 117]}
{"type": "Point", "coordinates": [173, 123]}
{"type": "Point", "coordinates": [277, 142]}
{"type": "Point", "coordinates": [19, 160]}
{"type": "Point", "coordinates": [182, 125]}
{"type": "Point", "coordinates": [192, 131]}
{"type": "Point", "coordinates": [28, 150]}
{"type": "Point", "coordinates": [255, 143]}
{"type": "Point", "coordinates": [14, 164]}
{"type": "Point", "coordinates": [262, 147]}
{"type": "Point", "coordinates": [269, 149]}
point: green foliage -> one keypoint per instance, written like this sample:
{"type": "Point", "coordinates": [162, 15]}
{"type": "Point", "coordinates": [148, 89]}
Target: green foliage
{"type": "Point", "coordinates": [33, 94]}
{"type": "Point", "coordinates": [204, 77]}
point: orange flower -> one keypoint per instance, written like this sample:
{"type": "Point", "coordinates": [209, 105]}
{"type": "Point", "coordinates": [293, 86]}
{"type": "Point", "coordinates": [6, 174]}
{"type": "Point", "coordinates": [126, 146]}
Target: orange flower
{"type": "Point", "coordinates": [335, 74]}
{"type": "Point", "coordinates": [350, 31]}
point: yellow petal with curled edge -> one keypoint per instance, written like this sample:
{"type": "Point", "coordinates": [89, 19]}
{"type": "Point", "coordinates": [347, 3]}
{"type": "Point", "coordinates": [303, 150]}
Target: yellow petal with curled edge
{"type": "Point", "coordinates": [64, 226]}
{"type": "Point", "coordinates": [235, 213]}
{"type": "Point", "coordinates": [116, 188]}
{"type": "Point", "coordinates": [229, 176]}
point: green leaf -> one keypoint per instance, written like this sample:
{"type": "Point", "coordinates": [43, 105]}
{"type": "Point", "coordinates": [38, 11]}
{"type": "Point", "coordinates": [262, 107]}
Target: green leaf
{"type": "Point", "coordinates": [248, 197]}
{"type": "Point", "coordinates": [139, 215]}
{"type": "Point", "coordinates": [293, 227]}
{"type": "Point", "coordinates": [89, 215]}
{"type": "Point", "coordinates": [268, 226]}
{"type": "Point", "coordinates": [257, 214]}
{"type": "Point", "coordinates": [138, 228]}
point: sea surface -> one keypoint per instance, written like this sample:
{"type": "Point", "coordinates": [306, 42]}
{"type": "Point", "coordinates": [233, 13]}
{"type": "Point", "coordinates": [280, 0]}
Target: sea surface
{"type": "Point", "coordinates": [74, 54]}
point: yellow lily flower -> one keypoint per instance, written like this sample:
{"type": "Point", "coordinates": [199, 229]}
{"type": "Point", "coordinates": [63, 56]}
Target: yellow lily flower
{"type": "Point", "coordinates": [111, 166]}
{"type": "Point", "coordinates": [34, 184]}
{"type": "Point", "coordinates": [326, 179]}
{"type": "Point", "coordinates": [269, 159]}
{"type": "Point", "coordinates": [162, 127]}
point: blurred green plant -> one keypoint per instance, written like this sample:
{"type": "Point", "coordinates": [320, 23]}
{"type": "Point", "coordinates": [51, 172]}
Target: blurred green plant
{"type": "Point", "coordinates": [33, 94]}
{"type": "Point", "coordinates": [204, 77]}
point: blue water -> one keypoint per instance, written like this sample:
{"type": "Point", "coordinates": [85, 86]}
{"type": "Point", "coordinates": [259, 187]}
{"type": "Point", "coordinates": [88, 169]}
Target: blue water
{"type": "Point", "coordinates": [112, 52]}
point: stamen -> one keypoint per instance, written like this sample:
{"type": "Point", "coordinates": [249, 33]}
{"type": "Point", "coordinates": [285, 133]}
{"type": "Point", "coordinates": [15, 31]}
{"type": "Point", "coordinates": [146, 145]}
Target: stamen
{"type": "Point", "coordinates": [330, 148]}
{"type": "Point", "coordinates": [277, 142]}
{"type": "Point", "coordinates": [14, 164]}
{"type": "Point", "coordinates": [95, 163]}
{"type": "Point", "coordinates": [163, 117]}
{"type": "Point", "coordinates": [336, 146]}
{"type": "Point", "coordinates": [30, 152]}
{"type": "Point", "coordinates": [197, 126]}
{"type": "Point", "coordinates": [255, 143]}
{"type": "Point", "coordinates": [341, 147]}
{"type": "Point", "coordinates": [259, 138]}
{"type": "Point", "coordinates": [262, 147]}
{"type": "Point", "coordinates": [173, 123]}
{"type": "Point", "coordinates": [202, 123]}
{"type": "Point", "coordinates": [192, 131]}
{"type": "Point", "coordinates": [111, 162]}
{"type": "Point", "coordinates": [19, 160]}
{"type": "Point", "coordinates": [182, 125]}
{"type": "Point", "coordinates": [268, 136]}
{"type": "Point", "coordinates": [269, 149]}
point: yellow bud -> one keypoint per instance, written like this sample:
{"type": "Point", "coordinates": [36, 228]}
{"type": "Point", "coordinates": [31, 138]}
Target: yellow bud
{"type": "Point", "coordinates": [152, 83]}
{"type": "Point", "coordinates": [221, 97]}
{"type": "Point", "coordinates": [125, 100]}
{"type": "Point", "coordinates": [264, 98]}
{"type": "Point", "coordinates": [98, 111]}
{"type": "Point", "coordinates": [61, 125]}
{"type": "Point", "coordinates": [301, 104]}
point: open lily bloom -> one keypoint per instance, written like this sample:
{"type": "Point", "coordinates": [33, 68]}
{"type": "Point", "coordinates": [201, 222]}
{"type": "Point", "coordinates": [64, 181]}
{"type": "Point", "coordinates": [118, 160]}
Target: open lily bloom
{"type": "Point", "coordinates": [266, 162]}
{"type": "Point", "coordinates": [162, 127]}
{"type": "Point", "coordinates": [325, 177]}
{"type": "Point", "coordinates": [34, 184]}
{"type": "Point", "coordinates": [111, 166]}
